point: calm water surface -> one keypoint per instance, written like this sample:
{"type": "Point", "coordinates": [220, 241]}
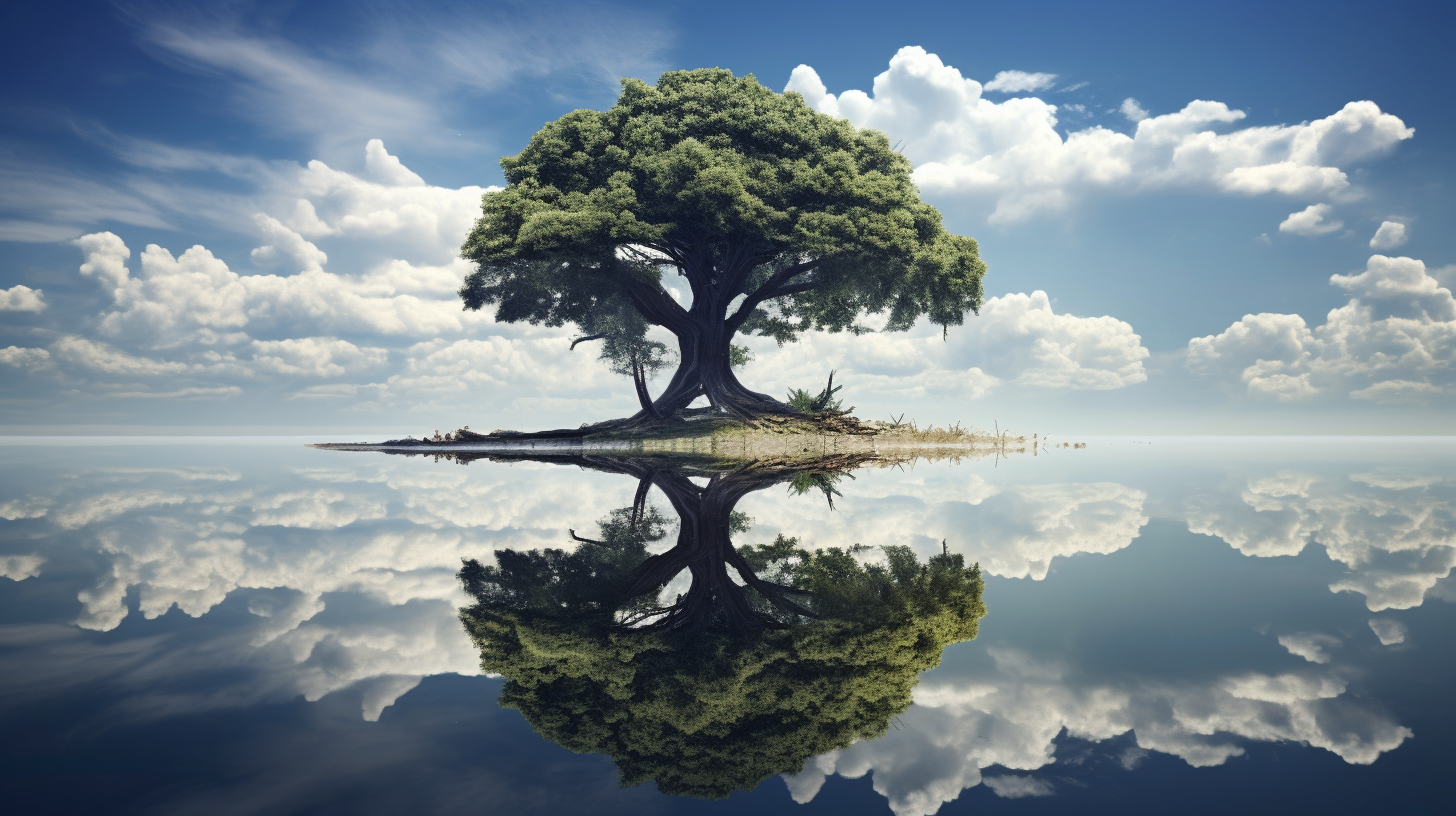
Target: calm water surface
{"type": "Point", "coordinates": [1181, 626]}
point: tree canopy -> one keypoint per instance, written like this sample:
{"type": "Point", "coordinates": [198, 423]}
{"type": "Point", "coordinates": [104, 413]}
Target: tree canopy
{"type": "Point", "coordinates": [779, 218]}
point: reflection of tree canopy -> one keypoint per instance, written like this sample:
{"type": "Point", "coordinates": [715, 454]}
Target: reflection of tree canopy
{"type": "Point", "coordinates": [731, 682]}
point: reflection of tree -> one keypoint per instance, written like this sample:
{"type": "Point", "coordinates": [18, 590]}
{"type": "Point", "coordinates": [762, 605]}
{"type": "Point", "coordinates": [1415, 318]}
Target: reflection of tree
{"type": "Point", "coordinates": [732, 681]}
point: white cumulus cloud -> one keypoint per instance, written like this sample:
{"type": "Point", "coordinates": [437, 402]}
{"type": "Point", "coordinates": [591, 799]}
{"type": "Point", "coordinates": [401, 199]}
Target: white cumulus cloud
{"type": "Point", "coordinates": [20, 298]}
{"type": "Point", "coordinates": [1312, 220]}
{"type": "Point", "coordinates": [1018, 81]}
{"type": "Point", "coordinates": [315, 356]}
{"type": "Point", "coordinates": [1012, 531]}
{"type": "Point", "coordinates": [1394, 341]}
{"type": "Point", "coordinates": [27, 358]}
{"type": "Point", "coordinates": [1017, 340]}
{"type": "Point", "coordinates": [1010, 154]}
{"type": "Point", "coordinates": [1390, 235]}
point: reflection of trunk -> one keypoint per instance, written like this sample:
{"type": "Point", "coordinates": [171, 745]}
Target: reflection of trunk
{"type": "Point", "coordinates": [704, 546]}
{"type": "Point", "coordinates": [705, 549]}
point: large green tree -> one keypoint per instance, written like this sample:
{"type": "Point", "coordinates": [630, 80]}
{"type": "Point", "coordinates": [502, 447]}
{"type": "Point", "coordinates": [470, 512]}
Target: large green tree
{"type": "Point", "coordinates": [729, 683]}
{"type": "Point", "coordinates": [779, 218]}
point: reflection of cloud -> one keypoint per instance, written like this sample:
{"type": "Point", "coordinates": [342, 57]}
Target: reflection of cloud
{"type": "Point", "coordinates": [1395, 531]}
{"type": "Point", "coordinates": [1012, 715]}
{"type": "Point", "coordinates": [109, 505]}
{"type": "Point", "coordinates": [1312, 646]}
{"type": "Point", "coordinates": [1389, 630]}
{"type": "Point", "coordinates": [1013, 531]}
{"type": "Point", "coordinates": [28, 507]}
{"type": "Point", "coordinates": [292, 550]}
{"type": "Point", "coordinates": [20, 567]}
{"type": "Point", "coordinates": [1011, 786]}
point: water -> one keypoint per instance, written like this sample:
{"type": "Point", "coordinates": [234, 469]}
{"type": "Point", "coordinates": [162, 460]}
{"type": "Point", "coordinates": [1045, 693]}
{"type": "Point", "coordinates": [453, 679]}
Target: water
{"type": "Point", "coordinates": [1173, 625]}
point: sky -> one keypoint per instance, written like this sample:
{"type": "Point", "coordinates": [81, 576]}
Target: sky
{"type": "Point", "coordinates": [1198, 218]}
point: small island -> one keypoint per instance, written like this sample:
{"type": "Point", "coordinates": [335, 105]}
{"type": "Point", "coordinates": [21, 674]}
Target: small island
{"type": "Point", "coordinates": [778, 219]}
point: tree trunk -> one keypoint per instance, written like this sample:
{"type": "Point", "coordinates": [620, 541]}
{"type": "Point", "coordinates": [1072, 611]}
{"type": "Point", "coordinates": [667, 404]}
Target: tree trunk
{"type": "Point", "coordinates": [704, 369]}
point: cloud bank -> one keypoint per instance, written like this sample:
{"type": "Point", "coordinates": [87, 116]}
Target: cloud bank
{"type": "Point", "coordinates": [1011, 154]}
{"type": "Point", "coordinates": [1394, 341]}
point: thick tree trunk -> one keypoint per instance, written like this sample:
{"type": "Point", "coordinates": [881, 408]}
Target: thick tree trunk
{"type": "Point", "coordinates": [704, 369]}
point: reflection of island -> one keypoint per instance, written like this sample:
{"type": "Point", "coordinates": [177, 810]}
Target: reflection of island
{"type": "Point", "coordinates": [746, 674]}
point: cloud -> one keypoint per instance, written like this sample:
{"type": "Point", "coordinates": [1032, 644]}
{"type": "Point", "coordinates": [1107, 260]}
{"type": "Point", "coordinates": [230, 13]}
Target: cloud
{"type": "Point", "coordinates": [1017, 340]}
{"type": "Point", "coordinates": [1010, 155]}
{"type": "Point", "coordinates": [1018, 81]}
{"type": "Point", "coordinates": [220, 392]}
{"type": "Point", "coordinates": [315, 356]}
{"type": "Point", "coordinates": [1132, 110]}
{"type": "Point", "coordinates": [396, 72]}
{"type": "Point", "coordinates": [1311, 221]}
{"type": "Point", "coordinates": [21, 299]}
{"type": "Point", "coordinates": [1389, 630]}
{"type": "Point", "coordinates": [1394, 341]}
{"type": "Point", "coordinates": [195, 327]}
{"type": "Point", "coordinates": [28, 358]}
{"type": "Point", "coordinates": [1312, 646]}
{"type": "Point", "coordinates": [49, 202]}
{"type": "Point", "coordinates": [108, 360]}
{"type": "Point", "coordinates": [286, 245]}
{"type": "Point", "coordinates": [195, 298]}
{"type": "Point", "coordinates": [1390, 235]}
{"type": "Point", "coordinates": [282, 84]}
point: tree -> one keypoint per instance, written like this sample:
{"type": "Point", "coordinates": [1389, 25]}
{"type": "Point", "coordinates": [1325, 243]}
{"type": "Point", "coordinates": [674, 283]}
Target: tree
{"type": "Point", "coordinates": [708, 703]}
{"type": "Point", "coordinates": [779, 218]}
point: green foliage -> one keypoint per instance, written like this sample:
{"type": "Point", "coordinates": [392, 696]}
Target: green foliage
{"type": "Point", "coordinates": [739, 356]}
{"type": "Point", "coordinates": [624, 339]}
{"type": "Point", "coordinates": [715, 713]}
{"type": "Point", "coordinates": [821, 403]}
{"type": "Point", "coordinates": [806, 480]}
{"type": "Point", "coordinates": [707, 171]}
{"type": "Point", "coordinates": [739, 522]}
{"type": "Point", "coordinates": [584, 584]}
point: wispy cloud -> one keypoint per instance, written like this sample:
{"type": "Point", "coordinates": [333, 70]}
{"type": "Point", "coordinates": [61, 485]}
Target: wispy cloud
{"type": "Point", "coordinates": [49, 201]}
{"type": "Point", "coordinates": [402, 76]}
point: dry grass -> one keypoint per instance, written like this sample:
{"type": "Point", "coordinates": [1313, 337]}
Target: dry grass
{"type": "Point", "coordinates": [717, 438]}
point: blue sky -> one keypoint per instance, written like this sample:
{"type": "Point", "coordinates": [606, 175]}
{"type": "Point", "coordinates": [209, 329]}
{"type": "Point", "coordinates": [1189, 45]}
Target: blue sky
{"type": "Point", "coordinates": [1198, 217]}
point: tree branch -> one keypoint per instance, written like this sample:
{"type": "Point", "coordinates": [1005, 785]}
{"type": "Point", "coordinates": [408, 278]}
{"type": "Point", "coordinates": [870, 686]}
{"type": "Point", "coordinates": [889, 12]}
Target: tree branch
{"type": "Point", "coordinates": [639, 382]}
{"type": "Point", "coordinates": [585, 339]}
{"type": "Point", "coordinates": [656, 306]}
{"type": "Point", "coordinates": [776, 286]}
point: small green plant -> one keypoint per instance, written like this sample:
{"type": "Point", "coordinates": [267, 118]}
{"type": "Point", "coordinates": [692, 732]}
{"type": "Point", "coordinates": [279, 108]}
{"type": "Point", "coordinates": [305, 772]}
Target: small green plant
{"type": "Point", "coordinates": [823, 403]}
{"type": "Point", "coordinates": [805, 481]}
